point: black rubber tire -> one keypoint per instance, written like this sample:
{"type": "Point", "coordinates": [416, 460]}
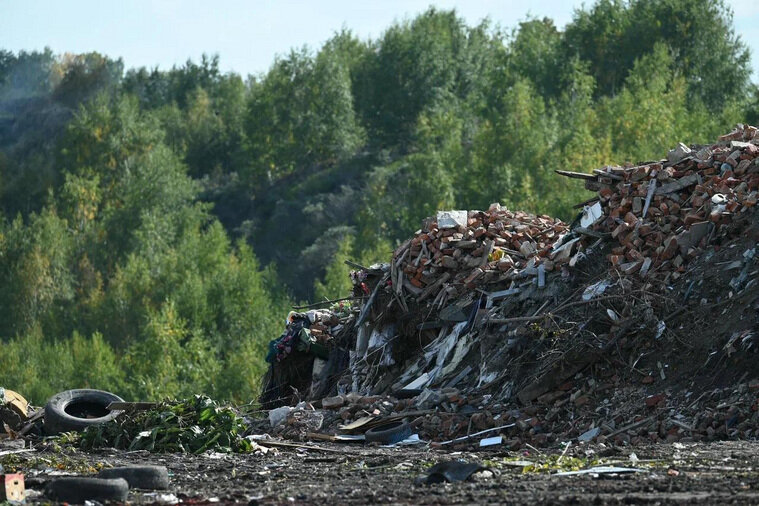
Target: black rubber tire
{"type": "Point", "coordinates": [144, 477]}
{"type": "Point", "coordinates": [76, 490]}
{"type": "Point", "coordinates": [57, 410]}
{"type": "Point", "coordinates": [388, 433]}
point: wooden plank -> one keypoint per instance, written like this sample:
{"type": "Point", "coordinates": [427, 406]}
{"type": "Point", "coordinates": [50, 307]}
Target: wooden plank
{"type": "Point", "coordinates": [649, 196]}
{"type": "Point", "coordinates": [487, 250]}
{"type": "Point", "coordinates": [503, 293]}
{"type": "Point", "coordinates": [587, 202]}
{"type": "Point", "coordinates": [460, 376]}
{"type": "Point", "coordinates": [365, 310]}
{"type": "Point", "coordinates": [610, 175]}
{"type": "Point", "coordinates": [282, 444]}
{"type": "Point", "coordinates": [357, 424]}
{"type": "Point", "coordinates": [631, 426]}
{"type": "Point", "coordinates": [434, 286]}
{"type": "Point", "coordinates": [328, 302]}
{"type": "Point", "coordinates": [411, 288]}
{"type": "Point", "coordinates": [678, 185]}
{"type": "Point", "coordinates": [592, 233]}
{"type": "Point", "coordinates": [431, 324]}
{"type": "Point", "coordinates": [350, 263]}
{"type": "Point", "coordinates": [577, 175]}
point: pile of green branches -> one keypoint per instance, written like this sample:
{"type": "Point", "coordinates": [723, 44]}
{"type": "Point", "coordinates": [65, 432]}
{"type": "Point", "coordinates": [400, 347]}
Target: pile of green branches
{"type": "Point", "coordinates": [193, 425]}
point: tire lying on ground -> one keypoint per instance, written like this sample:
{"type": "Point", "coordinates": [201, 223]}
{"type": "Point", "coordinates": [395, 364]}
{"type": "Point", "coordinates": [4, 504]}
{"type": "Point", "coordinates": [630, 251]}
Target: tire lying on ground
{"type": "Point", "coordinates": [144, 477]}
{"type": "Point", "coordinates": [76, 490]}
{"type": "Point", "coordinates": [75, 410]}
{"type": "Point", "coordinates": [388, 433]}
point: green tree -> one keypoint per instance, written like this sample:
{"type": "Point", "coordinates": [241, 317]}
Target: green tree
{"type": "Point", "coordinates": [649, 114]}
{"type": "Point", "coordinates": [712, 59]}
{"type": "Point", "coordinates": [414, 64]}
{"type": "Point", "coordinates": [170, 361]}
{"type": "Point", "coordinates": [535, 53]}
{"type": "Point", "coordinates": [82, 76]}
{"type": "Point", "coordinates": [299, 114]}
{"type": "Point", "coordinates": [337, 283]}
{"type": "Point", "coordinates": [35, 273]}
{"type": "Point", "coordinates": [511, 148]}
{"type": "Point", "coordinates": [26, 74]}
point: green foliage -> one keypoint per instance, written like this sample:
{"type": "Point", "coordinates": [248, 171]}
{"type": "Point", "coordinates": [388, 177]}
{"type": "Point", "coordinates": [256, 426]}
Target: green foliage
{"type": "Point", "coordinates": [168, 360]}
{"type": "Point", "coordinates": [36, 276]}
{"type": "Point", "coordinates": [26, 73]}
{"type": "Point", "coordinates": [337, 283]}
{"type": "Point", "coordinates": [195, 425]}
{"type": "Point", "coordinates": [95, 364]}
{"type": "Point", "coordinates": [131, 204]}
{"type": "Point", "coordinates": [653, 109]}
{"type": "Point", "coordinates": [84, 75]}
{"type": "Point", "coordinates": [613, 34]}
{"type": "Point", "coordinates": [125, 253]}
{"type": "Point", "coordinates": [299, 114]}
{"type": "Point", "coordinates": [416, 64]}
{"type": "Point", "coordinates": [647, 113]}
{"type": "Point", "coordinates": [752, 107]}
{"type": "Point", "coordinates": [40, 367]}
{"type": "Point", "coordinates": [535, 53]}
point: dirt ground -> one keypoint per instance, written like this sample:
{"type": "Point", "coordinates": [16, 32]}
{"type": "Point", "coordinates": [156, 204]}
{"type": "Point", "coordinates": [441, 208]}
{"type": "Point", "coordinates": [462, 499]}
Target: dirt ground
{"type": "Point", "coordinates": [689, 473]}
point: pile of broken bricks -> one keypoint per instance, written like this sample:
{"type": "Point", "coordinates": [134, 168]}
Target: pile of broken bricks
{"type": "Point", "coordinates": [652, 219]}
{"type": "Point", "coordinates": [460, 250]}
{"type": "Point", "coordinates": [661, 214]}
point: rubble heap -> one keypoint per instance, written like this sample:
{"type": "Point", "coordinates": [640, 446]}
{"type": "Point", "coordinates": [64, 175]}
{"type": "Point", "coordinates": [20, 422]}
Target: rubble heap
{"type": "Point", "coordinates": [518, 323]}
{"type": "Point", "coordinates": [459, 251]}
{"type": "Point", "coordinates": [659, 215]}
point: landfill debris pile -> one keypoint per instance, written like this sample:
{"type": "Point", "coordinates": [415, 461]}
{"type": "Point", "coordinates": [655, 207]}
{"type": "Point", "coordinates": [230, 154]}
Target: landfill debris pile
{"type": "Point", "coordinates": [309, 332]}
{"type": "Point", "coordinates": [459, 251]}
{"type": "Point", "coordinates": [659, 215]}
{"type": "Point", "coordinates": [611, 411]}
{"type": "Point", "coordinates": [308, 342]}
{"type": "Point", "coordinates": [518, 326]}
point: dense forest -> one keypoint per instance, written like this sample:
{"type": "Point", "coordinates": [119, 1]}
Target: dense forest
{"type": "Point", "coordinates": [157, 225]}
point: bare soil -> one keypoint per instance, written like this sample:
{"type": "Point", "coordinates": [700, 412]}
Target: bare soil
{"type": "Point", "coordinates": [690, 473]}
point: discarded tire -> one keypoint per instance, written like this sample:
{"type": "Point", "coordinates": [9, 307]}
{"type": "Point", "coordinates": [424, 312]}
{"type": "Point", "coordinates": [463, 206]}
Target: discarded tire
{"type": "Point", "coordinates": [389, 433]}
{"type": "Point", "coordinates": [144, 477]}
{"type": "Point", "coordinates": [75, 410]}
{"type": "Point", "coordinates": [77, 490]}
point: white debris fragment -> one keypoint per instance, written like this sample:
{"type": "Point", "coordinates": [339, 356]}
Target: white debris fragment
{"type": "Point", "coordinates": [589, 435]}
{"type": "Point", "coordinates": [451, 219]}
{"type": "Point", "coordinates": [677, 154]}
{"type": "Point", "coordinates": [277, 416]}
{"type": "Point", "coordinates": [591, 215]}
{"type": "Point", "coordinates": [491, 441]}
{"type": "Point", "coordinates": [596, 289]}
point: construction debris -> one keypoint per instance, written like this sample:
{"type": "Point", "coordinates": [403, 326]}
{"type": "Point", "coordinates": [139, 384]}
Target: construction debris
{"type": "Point", "coordinates": [533, 331]}
{"type": "Point", "coordinates": [450, 471]}
{"type": "Point", "coordinates": [497, 245]}
{"type": "Point", "coordinates": [12, 488]}
{"type": "Point", "coordinates": [14, 410]}
{"type": "Point", "coordinates": [662, 214]}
